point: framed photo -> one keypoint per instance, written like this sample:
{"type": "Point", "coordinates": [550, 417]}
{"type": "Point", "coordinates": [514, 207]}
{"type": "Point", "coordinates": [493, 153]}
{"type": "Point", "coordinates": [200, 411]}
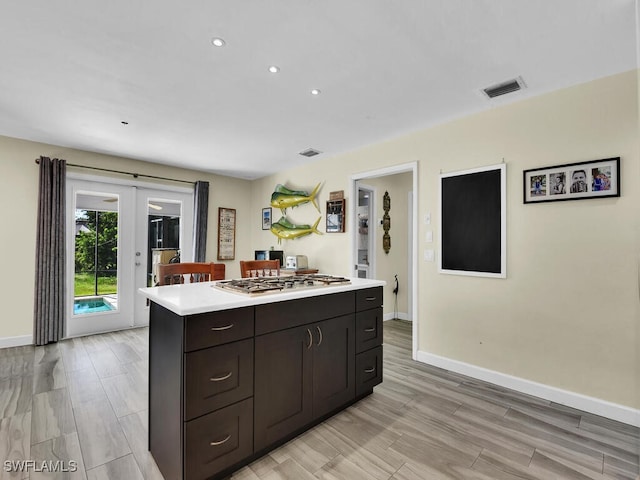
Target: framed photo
{"type": "Point", "coordinates": [335, 216]}
{"type": "Point", "coordinates": [473, 222]}
{"type": "Point", "coordinates": [226, 233]}
{"type": "Point", "coordinates": [266, 218]}
{"type": "Point", "coordinates": [573, 181]}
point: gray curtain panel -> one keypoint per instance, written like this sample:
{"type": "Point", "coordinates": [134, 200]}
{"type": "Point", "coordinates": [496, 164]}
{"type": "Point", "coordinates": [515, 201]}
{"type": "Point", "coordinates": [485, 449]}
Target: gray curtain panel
{"type": "Point", "coordinates": [48, 316]}
{"type": "Point", "coordinates": [201, 213]}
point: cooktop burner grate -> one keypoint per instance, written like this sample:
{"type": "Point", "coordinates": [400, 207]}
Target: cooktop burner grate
{"type": "Point", "coordinates": [257, 285]}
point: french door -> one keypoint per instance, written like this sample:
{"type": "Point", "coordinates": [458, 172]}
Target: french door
{"type": "Point", "coordinates": [113, 232]}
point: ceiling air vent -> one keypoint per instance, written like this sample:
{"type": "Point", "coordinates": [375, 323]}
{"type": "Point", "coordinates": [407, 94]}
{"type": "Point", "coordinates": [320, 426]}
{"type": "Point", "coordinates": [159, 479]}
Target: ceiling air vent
{"type": "Point", "coordinates": [310, 152]}
{"type": "Point", "coordinates": [504, 88]}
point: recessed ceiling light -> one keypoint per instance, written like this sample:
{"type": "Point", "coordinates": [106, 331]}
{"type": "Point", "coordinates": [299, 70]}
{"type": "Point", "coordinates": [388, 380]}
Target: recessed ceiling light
{"type": "Point", "coordinates": [218, 42]}
{"type": "Point", "coordinates": [274, 69]}
{"type": "Point", "coordinates": [315, 91]}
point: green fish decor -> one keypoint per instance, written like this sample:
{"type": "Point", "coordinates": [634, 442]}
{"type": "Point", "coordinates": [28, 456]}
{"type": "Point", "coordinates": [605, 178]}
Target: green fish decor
{"type": "Point", "coordinates": [284, 198]}
{"type": "Point", "coordinates": [283, 229]}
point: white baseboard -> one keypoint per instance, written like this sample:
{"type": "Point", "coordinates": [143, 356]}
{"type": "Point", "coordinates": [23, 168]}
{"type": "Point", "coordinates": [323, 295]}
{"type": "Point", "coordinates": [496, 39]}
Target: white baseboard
{"type": "Point", "coordinates": [585, 403]}
{"type": "Point", "coordinates": [20, 341]}
{"type": "Point", "coordinates": [399, 316]}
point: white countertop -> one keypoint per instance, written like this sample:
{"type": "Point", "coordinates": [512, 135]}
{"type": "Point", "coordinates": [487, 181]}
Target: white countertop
{"type": "Point", "coordinates": [202, 297]}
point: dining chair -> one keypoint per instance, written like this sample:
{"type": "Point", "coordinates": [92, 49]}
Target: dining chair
{"type": "Point", "coordinates": [189, 272]}
{"type": "Point", "coordinates": [259, 268]}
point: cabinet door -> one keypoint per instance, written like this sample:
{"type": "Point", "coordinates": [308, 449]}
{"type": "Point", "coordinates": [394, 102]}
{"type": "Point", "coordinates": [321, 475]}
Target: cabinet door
{"type": "Point", "coordinates": [333, 364]}
{"type": "Point", "coordinates": [283, 376]}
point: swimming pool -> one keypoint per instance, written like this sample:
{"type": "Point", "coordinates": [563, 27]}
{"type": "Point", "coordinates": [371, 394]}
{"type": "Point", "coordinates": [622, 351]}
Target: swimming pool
{"type": "Point", "coordinates": [91, 305]}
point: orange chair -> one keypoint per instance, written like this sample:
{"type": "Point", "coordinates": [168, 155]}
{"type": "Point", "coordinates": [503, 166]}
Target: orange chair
{"type": "Point", "coordinates": [259, 268]}
{"type": "Point", "coordinates": [173, 273]}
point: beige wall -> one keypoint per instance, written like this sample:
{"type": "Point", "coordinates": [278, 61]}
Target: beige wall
{"type": "Point", "coordinates": [567, 315]}
{"type": "Point", "coordinates": [19, 195]}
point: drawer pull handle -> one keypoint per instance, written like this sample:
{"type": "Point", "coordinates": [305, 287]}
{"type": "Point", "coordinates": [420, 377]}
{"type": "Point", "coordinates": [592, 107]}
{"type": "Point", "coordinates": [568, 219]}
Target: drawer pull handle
{"type": "Point", "coordinates": [219, 329]}
{"type": "Point", "coordinates": [372, 329]}
{"type": "Point", "coordinates": [319, 333]}
{"type": "Point", "coordinates": [370, 370]}
{"type": "Point", "coordinates": [310, 339]}
{"type": "Point", "coordinates": [370, 299]}
{"type": "Point", "coordinates": [219, 379]}
{"type": "Point", "coordinates": [215, 444]}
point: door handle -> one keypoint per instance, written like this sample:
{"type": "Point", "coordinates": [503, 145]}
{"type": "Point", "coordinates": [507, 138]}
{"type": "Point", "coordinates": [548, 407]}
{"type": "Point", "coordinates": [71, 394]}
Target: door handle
{"type": "Point", "coordinates": [372, 329]}
{"type": "Point", "coordinates": [310, 339]}
{"type": "Point", "coordinates": [219, 329]}
{"type": "Point", "coordinates": [320, 335]}
{"type": "Point", "coordinates": [370, 370]}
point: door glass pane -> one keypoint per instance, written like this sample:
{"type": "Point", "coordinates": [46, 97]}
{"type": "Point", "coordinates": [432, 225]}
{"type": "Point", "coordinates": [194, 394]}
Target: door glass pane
{"type": "Point", "coordinates": [95, 254]}
{"type": "Point", "coordinates": [363, 240]}
{"type": "Point", "coordinates": [163, 245]}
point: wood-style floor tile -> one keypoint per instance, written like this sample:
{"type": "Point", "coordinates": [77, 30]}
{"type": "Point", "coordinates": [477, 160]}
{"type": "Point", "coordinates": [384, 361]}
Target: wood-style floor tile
{"type": "Point", "coordinates": [16, 395]}
{"type": "Point", "coordinates": [125, 394]}
{"type": "Point", "coordinates": [15, 442]}
{"type": "Point", "coordinates": [135, 428]}
{"type": "Point", "coordinates": [64, 449]}
{"type": "Point", "coordinates": [100, 434]}
{"type": "Point", "coordinates": [51, 415]}
{"type": "Point", "coordinates": [120, 468]}
{"type": "Point", "coordinates": [49, 376]}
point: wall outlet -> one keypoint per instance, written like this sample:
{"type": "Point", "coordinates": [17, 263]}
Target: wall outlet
{"type": "Point", "coordinates": [427, 218]}
{"type": "Point", "coordinates": [428, 255]}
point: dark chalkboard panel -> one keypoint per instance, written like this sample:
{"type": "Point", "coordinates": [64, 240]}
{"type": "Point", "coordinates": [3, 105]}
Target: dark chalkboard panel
{"type": "Point", "coordinates": [472, 206]}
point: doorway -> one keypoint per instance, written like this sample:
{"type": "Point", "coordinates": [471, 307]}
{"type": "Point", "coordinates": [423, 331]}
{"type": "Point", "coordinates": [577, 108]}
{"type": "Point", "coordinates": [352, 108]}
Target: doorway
{"type": "Point", "coordinates": [405, 179]}
{"type": "Point", "coordinates": [110, 256]}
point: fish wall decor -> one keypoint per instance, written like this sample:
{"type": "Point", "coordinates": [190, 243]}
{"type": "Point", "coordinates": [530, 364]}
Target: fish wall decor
{"type": "Point", "coordinates": [284, 198]}
{"type": "Point", "coordinates": [283, 229]}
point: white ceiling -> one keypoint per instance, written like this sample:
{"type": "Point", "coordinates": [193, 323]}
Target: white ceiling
{"type": "Point", "coordinates": [71, 71]}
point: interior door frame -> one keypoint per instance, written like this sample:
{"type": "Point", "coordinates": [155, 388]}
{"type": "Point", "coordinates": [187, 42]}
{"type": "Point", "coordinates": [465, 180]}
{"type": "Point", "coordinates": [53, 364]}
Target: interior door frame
{"type": "Point", "coordinates": [353, 222]}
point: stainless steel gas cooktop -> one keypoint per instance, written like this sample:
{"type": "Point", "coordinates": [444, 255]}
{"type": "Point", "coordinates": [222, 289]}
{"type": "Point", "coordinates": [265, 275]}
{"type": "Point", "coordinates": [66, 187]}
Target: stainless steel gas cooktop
{"type": "Point", "coordinates": [257, 285]}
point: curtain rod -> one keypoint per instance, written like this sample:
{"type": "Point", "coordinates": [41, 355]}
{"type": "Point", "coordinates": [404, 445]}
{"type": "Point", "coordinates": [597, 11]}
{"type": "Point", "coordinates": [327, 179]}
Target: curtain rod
{"type": "Point", "coordinates": [134, 175]}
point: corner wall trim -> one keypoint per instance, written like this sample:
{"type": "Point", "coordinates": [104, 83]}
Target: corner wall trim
{"type": "Point", "coordinates": [400, 316]}
{"type": "Point", "coordinates": [613, 411]}
{"type": "Point", "coordinates": [20, 341]}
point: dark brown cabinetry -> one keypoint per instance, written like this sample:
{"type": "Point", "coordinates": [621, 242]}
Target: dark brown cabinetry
{"type": "Point", "coordinates": [227, 386]}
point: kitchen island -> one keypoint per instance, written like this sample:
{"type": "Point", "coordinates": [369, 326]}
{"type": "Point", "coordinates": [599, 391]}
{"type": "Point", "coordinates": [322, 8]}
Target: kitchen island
{"type": "Point", "coordinates": [232, 376]}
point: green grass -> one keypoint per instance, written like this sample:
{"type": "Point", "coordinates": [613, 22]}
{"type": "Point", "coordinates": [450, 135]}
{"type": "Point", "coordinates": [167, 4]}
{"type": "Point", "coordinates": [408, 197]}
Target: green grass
{"type": "Point", "coordinates": [85, 285]}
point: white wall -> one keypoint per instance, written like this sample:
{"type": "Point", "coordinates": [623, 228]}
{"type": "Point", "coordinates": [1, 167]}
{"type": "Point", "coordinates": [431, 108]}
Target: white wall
{"type": "Point", "coordinates": [568, 314]}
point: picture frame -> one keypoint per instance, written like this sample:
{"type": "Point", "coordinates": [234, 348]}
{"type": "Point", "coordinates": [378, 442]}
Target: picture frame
{"type": "Point", "coordinates": [266, 218]}
{"type": "Point", "coordinates": [572, 181]}
{"type": "Point", "coordinates": [335, 216]}
{"type": "Point", "coordinates": [226, 233]}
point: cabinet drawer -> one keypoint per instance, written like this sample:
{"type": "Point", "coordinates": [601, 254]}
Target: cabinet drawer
{"type": "Point", "coordinates": [368, 370]}
{"type": "Point", "coordinates": [272, 317]}
{"type": "Point", "coordinates": [368, 329]}
{"type": "Point", "coordinates": [218, 440]}
{"type": "Point", "coordinates": [368, 298]}
{"type": "Point", "coordinates": [217, 376]}
{"type": "Point", "coordinates": [215, 328]}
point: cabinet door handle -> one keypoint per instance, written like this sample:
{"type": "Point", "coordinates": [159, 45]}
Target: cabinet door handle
{"type": "Point", "coordinates": [219, 379]}
{"type": "Point", "coordinates": [215, 444]}
{"type": "Point", "coordinates": [370, 370]}
{"type": "Point", "coordinates": [320, 334]}
{"type": "Point", "coordinates": [219, 329]}
{"type": "Point", "coordinates": [310, 339]}
{"type": "Point", "coordinates": [372, 329]}
{"type": "Point", "coordinates": [370, 299]}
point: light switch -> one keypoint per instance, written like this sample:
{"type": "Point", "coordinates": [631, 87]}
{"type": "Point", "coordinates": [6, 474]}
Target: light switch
{"type": "Point", "coordinates": [428, 255]}
{"type": "Point", "coordinates": [429, 236]}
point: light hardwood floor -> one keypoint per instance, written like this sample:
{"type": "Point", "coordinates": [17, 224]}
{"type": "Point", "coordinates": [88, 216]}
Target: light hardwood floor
{"type": "Point", "coordinates": [85, 399]}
